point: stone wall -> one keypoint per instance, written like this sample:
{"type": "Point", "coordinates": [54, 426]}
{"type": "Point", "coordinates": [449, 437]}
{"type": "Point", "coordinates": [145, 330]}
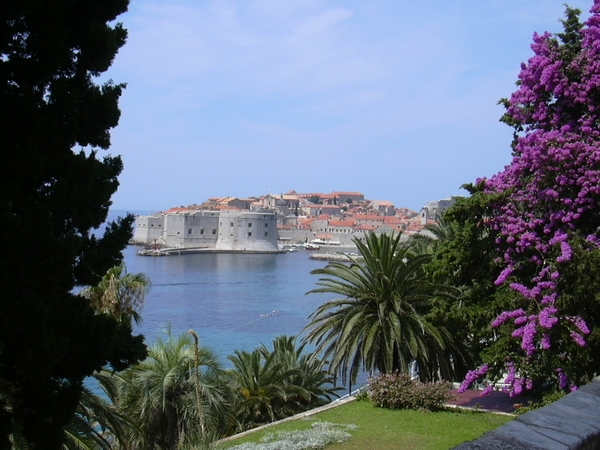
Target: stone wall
{"type": "Point", "coordinates": [198, 229]}
{"type": "Point", "coordinates": [219, 230]}
{"type": "Point", "coordinates": [148, 228]}
{"type": "Point", "coordinates": [573, 422]}
{"type": "Point", "coordinates": [247, 231]}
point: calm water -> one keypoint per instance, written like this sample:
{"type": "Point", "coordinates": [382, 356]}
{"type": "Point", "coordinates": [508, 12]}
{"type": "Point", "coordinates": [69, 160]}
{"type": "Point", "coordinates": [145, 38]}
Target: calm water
{"type": "Point", "coordinates": [233, 301]}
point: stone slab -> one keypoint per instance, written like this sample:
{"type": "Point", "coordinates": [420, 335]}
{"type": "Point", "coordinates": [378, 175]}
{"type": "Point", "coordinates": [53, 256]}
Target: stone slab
{"type": "Point", "coordinates": [571, 423]}
{"type": "Point", "coordinates": [494, 441]}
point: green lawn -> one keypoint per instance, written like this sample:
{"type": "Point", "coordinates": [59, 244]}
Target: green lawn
{"type": "Point", "coordinates": [382, 429]}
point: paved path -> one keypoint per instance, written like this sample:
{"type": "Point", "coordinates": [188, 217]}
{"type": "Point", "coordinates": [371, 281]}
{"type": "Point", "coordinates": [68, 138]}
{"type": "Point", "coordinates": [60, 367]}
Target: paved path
{"type": "Point", "coordinates": [496, 401]}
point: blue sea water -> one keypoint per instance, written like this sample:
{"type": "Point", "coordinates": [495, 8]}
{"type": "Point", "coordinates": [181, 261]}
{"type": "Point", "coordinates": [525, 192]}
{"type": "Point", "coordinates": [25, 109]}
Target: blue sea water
{"type": "Point", "coordinates": [233, 301]}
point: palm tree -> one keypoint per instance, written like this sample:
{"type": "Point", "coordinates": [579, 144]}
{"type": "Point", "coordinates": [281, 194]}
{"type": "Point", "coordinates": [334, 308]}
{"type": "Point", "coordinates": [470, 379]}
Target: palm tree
{"type": "Point", "coordinates": [379, 323]}
{"type": "Point", "coordinates": [441, 230]}
{"type": "Point", "coordinates": [307, 375]}
{"type": "Point", "coordinates": [176, 397]}
{"type": "Point", "coordinates": [96, 424]}
{"type": "Point", "coordinates": [260, 382]}
{"type": "Point", "coordinates": [119, 294]}
{"type": "Point", "coordinates": [278, 383]}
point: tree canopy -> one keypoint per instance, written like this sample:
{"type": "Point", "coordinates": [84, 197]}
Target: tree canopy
{"type": "Point", "coordinates": [532, 229]}
{"type": "Point", "coordinates": [176, 398]}
{"type": "Point", "coordinates": [54, 191]}
{"type": "Point", "coordinates": [379, 323]}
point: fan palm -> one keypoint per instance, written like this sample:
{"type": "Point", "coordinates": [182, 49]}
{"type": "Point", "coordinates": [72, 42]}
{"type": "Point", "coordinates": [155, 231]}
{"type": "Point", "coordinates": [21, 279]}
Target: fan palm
{"type": "Point", "coordinates": [177, 396]}
{"type": "Point", "coordinates": [379, 323]}
{"type": "Point", "coordinates": [119, 294]}
{"type": "Point", "coordinates": [96, 423]}
{"type": "Point", "coordinates": [313, 384]}
{"type": "Point", "coordinates": [273, 384]}
{"type": "Point", "coordinates": [260, 382]}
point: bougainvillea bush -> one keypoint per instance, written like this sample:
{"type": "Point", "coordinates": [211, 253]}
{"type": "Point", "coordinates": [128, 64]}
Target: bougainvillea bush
{"type": "Point", "coordinates": [546, 219]}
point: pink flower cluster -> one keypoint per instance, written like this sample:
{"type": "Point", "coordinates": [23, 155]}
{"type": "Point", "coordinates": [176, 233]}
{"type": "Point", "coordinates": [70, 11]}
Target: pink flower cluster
{"type": "Point", "coordinates": [552, 184]}
{"type": "Point", "coordinates": [472, 376]}
{"type": "Point", "coordinates": [515, 383]}
{"type": "Point", "coordinates": [563, 379]}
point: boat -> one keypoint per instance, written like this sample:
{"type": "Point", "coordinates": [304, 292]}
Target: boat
{"type": "Point", "coordinates": [311, 246]}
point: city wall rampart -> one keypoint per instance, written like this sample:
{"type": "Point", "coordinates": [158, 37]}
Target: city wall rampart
{"type": "Point", "coordinates": [218, 230]}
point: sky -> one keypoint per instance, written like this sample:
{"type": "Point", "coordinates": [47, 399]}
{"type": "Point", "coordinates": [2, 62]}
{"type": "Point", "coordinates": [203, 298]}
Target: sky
{"type": "Point", "coordinates": [394, 99]}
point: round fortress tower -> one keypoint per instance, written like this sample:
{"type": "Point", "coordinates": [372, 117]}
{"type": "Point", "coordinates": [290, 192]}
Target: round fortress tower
{"type": "Point", "coordinates": [247, 231]}
{"type": "Point", "coordinates": [148, 228]}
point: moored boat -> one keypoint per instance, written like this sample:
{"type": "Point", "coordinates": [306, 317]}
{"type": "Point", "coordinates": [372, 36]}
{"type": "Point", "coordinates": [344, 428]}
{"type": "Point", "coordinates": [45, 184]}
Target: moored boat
{"type": "Point", "coordinates": [311, 246]}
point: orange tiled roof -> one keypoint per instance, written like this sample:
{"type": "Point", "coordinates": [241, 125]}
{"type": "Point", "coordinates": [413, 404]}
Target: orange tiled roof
{"type": "Point", "coordinates": [310, 194]}
{"type": "Point", "coordinates": [392, 219]}
{"type": "Point", "coordinates": [363, 227]}
{"type": "Point", "coordinates": [347, 193]}
{"type": "Point", "coordinates": [414, 226]}
{"type": "Point", "coordinates": [178, 210]}
{"type": "Point", "coordinates": [368, 217]}
{"type": "Point", "coordinates": [383, 203]}
{"type": "Point", "coordinates": [341, 223]}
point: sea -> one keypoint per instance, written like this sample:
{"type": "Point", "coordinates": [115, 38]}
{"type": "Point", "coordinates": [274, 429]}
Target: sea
{"type": "Point", "coordinates": [232, 301]}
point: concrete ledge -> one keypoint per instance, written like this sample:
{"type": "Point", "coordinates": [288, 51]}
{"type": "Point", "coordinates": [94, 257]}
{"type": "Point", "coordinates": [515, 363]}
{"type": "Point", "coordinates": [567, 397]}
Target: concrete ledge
{"type": "Point", "coordinates": [573, 423]}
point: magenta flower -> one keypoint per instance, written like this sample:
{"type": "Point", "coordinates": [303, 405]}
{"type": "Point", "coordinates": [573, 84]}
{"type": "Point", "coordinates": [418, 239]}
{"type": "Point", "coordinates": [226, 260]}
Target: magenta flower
{"type": "Point", "coordinates": [488, 390]}
{"type": "Point", "coordinates": [549, 190]}
{"type": "Point", "coordinates": [472, 376]}
{"type": "Point", "coordinates": [563, 380]}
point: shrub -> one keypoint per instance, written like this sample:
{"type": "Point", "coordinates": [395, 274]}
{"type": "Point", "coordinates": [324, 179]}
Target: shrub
{"type": "Point", "coordinates": [399, 391]}
{"type": "Point", "coordinates": [536, 404]}
{"type": "Point", "coordinates": [362, 395]}
{"type": "Point", "coordinates": [318, 437]}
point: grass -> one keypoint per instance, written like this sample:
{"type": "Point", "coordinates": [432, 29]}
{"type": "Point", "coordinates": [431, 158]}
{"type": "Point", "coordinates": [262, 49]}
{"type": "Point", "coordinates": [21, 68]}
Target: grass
{"type": "Point", "coordinates": [383, 429]}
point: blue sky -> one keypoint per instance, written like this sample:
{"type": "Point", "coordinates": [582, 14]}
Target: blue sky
{"type": "Point", "coordinates": [391, 98]}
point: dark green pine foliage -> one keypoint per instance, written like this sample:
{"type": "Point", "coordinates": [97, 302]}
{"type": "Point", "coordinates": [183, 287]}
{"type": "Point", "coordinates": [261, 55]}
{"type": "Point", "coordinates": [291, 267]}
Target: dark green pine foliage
{"type": "Point", "coordinates": [54, 189]}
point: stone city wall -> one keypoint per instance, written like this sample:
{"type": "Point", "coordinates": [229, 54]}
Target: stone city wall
{"type": "Point", "coordinates": [219, 230]}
